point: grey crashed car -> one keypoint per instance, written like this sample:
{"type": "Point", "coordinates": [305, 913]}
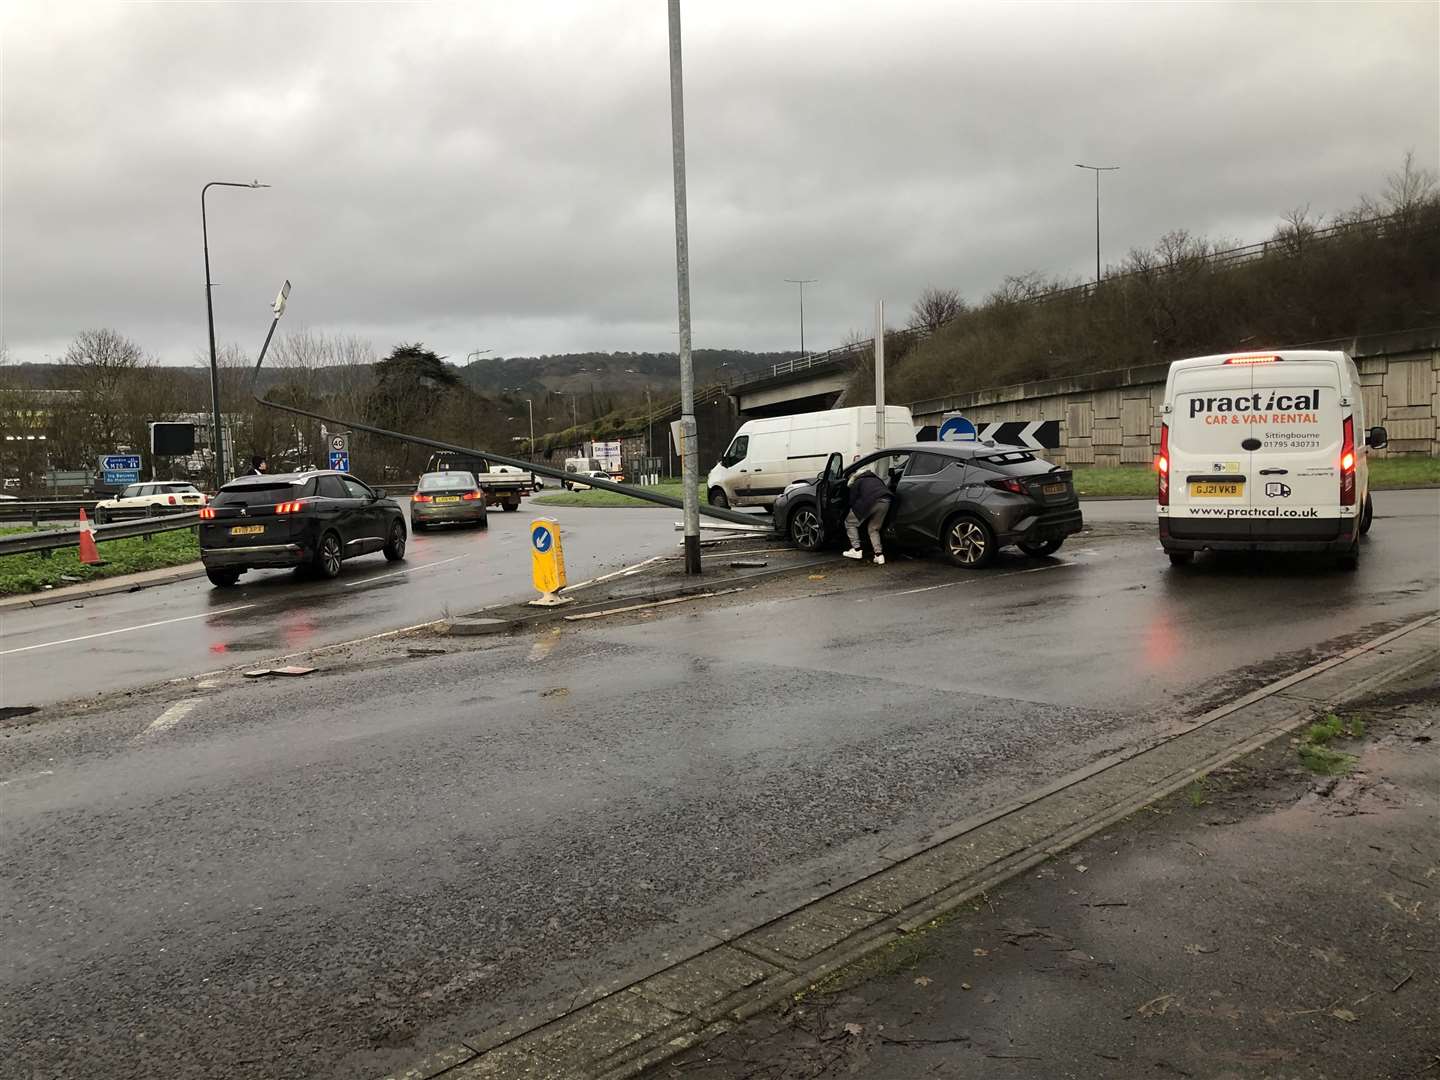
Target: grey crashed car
{"type": "Point", "coordinates": [968, 499]}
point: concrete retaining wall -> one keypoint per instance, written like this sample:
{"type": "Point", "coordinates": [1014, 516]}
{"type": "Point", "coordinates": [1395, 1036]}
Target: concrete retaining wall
{"type": "Point", "coordinates": [1112, 418]}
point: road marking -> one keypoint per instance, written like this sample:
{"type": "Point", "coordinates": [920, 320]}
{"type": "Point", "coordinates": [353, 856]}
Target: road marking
{"type": "Point", "coordinates": [397, 573]}
{"type": "Point", "coordinates": [28, 776]}
{"type": "Point", "coordinates": [126, 629]}
{"type": "Point", "coordinates": [983, 577]}
{"type": "Point", "coordinates": [170, 717]}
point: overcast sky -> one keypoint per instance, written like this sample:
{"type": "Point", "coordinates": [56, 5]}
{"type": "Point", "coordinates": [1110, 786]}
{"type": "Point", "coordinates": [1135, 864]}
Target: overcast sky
{"type": "Point", "coordinates": [497, 174]}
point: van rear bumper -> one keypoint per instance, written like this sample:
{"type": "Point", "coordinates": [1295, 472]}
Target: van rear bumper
{"type": "Point", "coordinates": [1256, 534]}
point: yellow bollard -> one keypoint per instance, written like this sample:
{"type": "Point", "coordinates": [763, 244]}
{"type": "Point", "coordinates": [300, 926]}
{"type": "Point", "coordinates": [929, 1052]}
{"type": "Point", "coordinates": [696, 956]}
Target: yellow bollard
{"type": "Point", "coordinates": [547, 562]}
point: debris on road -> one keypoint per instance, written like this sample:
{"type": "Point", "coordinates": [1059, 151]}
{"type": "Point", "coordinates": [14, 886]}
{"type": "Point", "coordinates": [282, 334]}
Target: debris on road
{"type": "Point", "coordinates": [290, 671]}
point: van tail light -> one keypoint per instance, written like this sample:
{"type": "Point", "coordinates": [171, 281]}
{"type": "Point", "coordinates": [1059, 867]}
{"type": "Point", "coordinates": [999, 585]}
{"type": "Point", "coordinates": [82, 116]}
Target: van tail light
{"type": "Point", "coordinates": [1256, 359]}
{"type": "Point", "coordinates": [471, 496]}
{"type": "Point", "coordinates": [1162, 467]}
{"type": "Point", "coordinates": [1010, 484]}
{"type": "Point", "coordinates": [290, 507]}
{"type": "Point", "coordinates": [1347, 464]}
{"type": "Point", "coordinates": [208, 513]}
{"type": "Point", "coordinates": [417, 497]}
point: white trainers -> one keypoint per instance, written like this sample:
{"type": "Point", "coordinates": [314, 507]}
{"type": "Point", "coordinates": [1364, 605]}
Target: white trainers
{"type": "Point", "coordinates": [853, 553]}
{"type": "Point", "coordinates": [879, 560]}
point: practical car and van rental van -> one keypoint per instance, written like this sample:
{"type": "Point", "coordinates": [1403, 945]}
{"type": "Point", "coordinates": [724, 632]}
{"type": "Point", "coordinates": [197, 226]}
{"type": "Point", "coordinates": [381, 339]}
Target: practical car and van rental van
{"type": "Point", "coordinates": [1265, 451]}
{"type": "Point", "coordinates": [767, 455]}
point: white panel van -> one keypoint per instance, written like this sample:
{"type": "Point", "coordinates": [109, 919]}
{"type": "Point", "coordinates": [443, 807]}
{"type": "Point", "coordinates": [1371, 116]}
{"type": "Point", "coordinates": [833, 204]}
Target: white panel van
{"type": "Point", "coordinates": [766, 456]}
{"type": "Point", "coordinates": [1264, 451]}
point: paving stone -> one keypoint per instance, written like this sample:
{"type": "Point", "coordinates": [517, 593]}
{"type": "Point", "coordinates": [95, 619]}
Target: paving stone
{"type": "Point", "coordinates": [597, 1031]}
{"type": "Point", "coordinates": [811, 930]}
{"type": "Point", "coordinates": [705, 980]}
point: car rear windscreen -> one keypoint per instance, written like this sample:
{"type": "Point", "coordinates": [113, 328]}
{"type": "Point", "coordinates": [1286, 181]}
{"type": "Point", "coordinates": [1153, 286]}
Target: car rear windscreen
{"type": "Point", "coordinates": [450, 481]}
{"type": "Point", "coordinates": [265, 494]}
{"type": "Point", "coordinates": [1012, 463]}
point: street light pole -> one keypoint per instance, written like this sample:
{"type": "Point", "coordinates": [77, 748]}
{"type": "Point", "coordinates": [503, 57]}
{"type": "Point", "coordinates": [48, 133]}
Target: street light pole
{"type": "Point", "coordinates": [530, 404]}
{"type": "Point", "coordinates": [1097, 170]}
{"type": "Point", "coordinates": [474, 353]}
{"type": "Point", "coordinates": [690, 472]}
{"type": "Point", "coordinates": [210, 322]}
{"type": "Point", "coordinates": [802, 282]}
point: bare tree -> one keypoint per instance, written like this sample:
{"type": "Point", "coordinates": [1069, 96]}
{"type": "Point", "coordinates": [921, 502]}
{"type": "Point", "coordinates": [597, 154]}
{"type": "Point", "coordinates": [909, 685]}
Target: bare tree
{"type": "Point", "coordinates": [104, 364]}
{"type": "Point", "coordinates": [935, 308]}
{"type": "Point", "coordinates": [1410, 189]}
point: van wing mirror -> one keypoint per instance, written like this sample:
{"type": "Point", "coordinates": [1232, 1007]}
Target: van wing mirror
{"type": "Point", "coordinates": [1377, 438]}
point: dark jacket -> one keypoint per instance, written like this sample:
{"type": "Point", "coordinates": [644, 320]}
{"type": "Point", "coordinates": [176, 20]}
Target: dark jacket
{"type": "Point", "coordinates": [866, 490]}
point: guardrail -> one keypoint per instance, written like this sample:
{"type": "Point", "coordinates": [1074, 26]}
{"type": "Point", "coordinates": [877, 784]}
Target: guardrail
{"type": "Point", "coordinates": [38, 510]}
{"type": "Point", "coordinates": [54, 539]}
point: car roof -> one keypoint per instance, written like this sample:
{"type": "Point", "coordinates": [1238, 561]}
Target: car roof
{"type": "Point", "coordinates": [263, 479]}
{"type": "Point", "coordinates": [954, 449]}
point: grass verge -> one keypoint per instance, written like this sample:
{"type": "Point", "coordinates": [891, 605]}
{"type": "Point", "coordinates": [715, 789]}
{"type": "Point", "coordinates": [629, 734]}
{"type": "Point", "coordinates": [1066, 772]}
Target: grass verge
{"type": "Point", "coordinates": [1401, 472]}
{"type": "Point", "coordinates": [673, 488]}
{"type": "Point", "coordinates": [1315, 751]}
{"type": "Point", "coordinates": [32, 572]}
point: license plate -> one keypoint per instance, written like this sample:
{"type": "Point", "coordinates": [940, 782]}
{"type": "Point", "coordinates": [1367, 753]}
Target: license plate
{"type": "Point", "coordinates": [246, 530]}
{"type": "Point", "coordinates": [1053, 489]}
{"type": "Point", "coordinates": [447, 498]}
{"type": "Point", "coordinates": [1228, 489]}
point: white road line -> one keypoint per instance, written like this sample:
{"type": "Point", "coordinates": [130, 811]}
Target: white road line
{"type": "Point", "coordinates": [126, 629]}
{"type": "Point", "coordinates": [28, 776]}
{"type": "Point", "coordinates": [397, 573]}
{"type": "Point", "coordinates": [170, 717]}
{"type": "Point", "coordinates": [981, 576]}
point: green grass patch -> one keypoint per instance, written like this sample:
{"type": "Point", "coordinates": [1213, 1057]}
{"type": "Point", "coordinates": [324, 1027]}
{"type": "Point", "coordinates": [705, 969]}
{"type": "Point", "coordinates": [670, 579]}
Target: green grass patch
{"type": "Point", "coordinates": [1385, 473]}
{"type": "Point", "coordinates": [1324, 760]}
{"type": "Point", "coordinates": [1195, 793]}
{"type": "Point", "coordinates": [32, 572]}
{"type": "Point", "coordinates": [1315, 751]}
{"type": "Point", "coordinates": [592, 497]}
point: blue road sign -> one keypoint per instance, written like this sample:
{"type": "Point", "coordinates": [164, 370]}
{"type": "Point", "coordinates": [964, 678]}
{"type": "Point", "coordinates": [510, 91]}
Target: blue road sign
{"type": "Point", "coordinates": [541, 539]}
{"type": "Point", "coordinates": [119, 477]}
{"type": "Point", "coordinates": [340, 460]}
{"type": "Point", "coordinates": [956, 429]}
{"type": "Point", "coordinates": [120, 463]}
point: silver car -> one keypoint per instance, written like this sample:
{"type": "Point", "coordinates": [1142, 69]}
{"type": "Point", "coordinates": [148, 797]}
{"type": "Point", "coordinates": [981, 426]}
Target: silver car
{"type": "Point", "coordinates": [448, 497]}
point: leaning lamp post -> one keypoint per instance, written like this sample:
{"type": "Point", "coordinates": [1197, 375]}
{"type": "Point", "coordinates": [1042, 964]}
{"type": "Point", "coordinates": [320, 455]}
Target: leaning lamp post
{"type": "Point", "coordinates": [218, 447]}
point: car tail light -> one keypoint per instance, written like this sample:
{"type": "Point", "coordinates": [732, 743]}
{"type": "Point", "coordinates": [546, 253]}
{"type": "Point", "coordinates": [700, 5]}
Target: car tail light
{"type": "Point", "coordinates": [1009, 484]}
{"type": "Point", "coordinates": [172, 500]}
{"type": "Point", "coordinates": [208, 513]}
{"type": "Point", "coordinates": [290, 507]}
{"type": "Point", "coordinates": [1162, 467]}
{"type": "Point", "coordinates": [1256, 359]}
{"type": "Point", "coordinates": [417, 497]}
{"type": "Point", "coordinates": [1347, 464]}
{"type": "Point", "coordinates": [471, 496]}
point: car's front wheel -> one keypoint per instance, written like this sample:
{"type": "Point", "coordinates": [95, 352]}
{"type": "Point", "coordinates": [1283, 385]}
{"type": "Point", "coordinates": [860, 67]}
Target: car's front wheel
{"type": "Point", "coordinates": [153, 510]}
{"type": "Point", "coordinates": [1041, 549]}
{"type": "Point", "coordinates": [101, 518]}
{"type": "Point", "coordinates": [969, 543]}
{"type": "Point", "coordinates": [805, 529]}
{"type": "Point", "coordinates": [328, 556]}
{"type": "Point", "coordinates": [223, 579]}
{"type": "Point", "coordinates": [395, 545]}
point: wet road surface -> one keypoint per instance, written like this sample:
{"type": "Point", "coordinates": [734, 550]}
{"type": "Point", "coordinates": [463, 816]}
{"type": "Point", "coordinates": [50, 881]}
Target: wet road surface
{"type": "Point", "coordinates": [331, 877]}
{"type": "Point", "coordinates": [117, 642]}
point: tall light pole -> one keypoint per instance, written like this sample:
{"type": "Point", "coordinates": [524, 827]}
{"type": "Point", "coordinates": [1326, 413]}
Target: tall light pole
{"type": "Point", "coordinates": [1097, 170]}
{"type": "Point", "coordinates": [530, 405]}
{"type": "Point", "coordinates": [210, 322]}
{"type": "Point", "coordinates": [802, 282]}
{"type": "Point", "coordinates": [474, 353]}
{"type": "Point", "coordinates": [689, 463]}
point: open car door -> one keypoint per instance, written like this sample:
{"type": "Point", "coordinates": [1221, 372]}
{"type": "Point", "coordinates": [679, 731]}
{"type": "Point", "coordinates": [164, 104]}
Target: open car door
{"type": "Point", "coordinates": [833, 495]}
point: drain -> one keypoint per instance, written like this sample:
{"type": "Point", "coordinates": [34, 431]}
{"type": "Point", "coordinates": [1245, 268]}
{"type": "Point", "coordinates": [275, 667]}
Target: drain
{"type": "Point", "coordinates": [10, 712]}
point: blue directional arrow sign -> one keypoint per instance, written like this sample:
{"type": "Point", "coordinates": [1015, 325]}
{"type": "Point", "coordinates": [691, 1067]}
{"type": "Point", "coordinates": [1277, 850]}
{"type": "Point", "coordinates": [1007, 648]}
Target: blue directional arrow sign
{"type": "Point", "coordinates": [119, 462]}
{"type": "Point", "coordinates": [542, 539]}
{"type": "Point", "coordinates": [340, 460]}
{"type": "Point", "coordinates": [956, 429]}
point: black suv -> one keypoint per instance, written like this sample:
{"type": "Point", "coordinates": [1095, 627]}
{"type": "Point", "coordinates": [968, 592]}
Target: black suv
{"type": "Point", "coordinates": [311, 520]}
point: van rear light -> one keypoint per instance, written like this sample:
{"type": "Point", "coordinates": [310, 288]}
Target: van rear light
{"type": "Point", "coordinates": [1162, 467]}
{"type": "Point", "coordinates": [1009, 484]}
{"type": "Point", "coordinates": [1255, 359]}
{"type": "Point", "coordinates": [417, 497]}
{"type": "Point", "coordinates": [1347, 464]}
{"type": "Point", "coordinates": [208, 513]}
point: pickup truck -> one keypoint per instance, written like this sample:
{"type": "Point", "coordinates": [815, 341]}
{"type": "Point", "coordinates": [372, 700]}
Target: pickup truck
{"type": "Point", "coordinates": [504, 485]}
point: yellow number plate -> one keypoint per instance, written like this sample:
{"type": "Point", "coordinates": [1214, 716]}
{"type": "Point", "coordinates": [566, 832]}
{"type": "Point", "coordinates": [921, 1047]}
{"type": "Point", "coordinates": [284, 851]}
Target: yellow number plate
{"type": "Point", "coordinates": [1223, 489]}
{"type": "Point", "coordinates": [1053, 489]}
{"type": "Point", "coordinates": [447, 498]}
{"type": "Point", "coordinates": [246, 530]}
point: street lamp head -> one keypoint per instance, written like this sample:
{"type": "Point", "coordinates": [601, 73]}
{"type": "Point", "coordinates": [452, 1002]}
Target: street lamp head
{"type": "Point", "coordinates": [257, 184]}
{"type": "Point", "coordinates": [281, 298]}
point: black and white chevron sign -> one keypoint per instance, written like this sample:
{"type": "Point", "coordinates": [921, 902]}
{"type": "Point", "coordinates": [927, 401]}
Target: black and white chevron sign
{"type": "Point", "coordinates": [1032, 434]}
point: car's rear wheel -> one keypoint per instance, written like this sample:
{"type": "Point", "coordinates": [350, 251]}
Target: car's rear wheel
{"type": "Point", "coordinates": [328, 556]}
{"type": "Point", "coordinates": [483, 521]}
{"type": "Point", "coordinates": [1043, 548]}
{"type": "Point", "coordinates": [1367, 515]}
{"type": "Point", "coordinates": [223, 579]}
{"type": "Point", "coordinates": [153, 510]}
{"type": "Point", "coordinates": [969, 543]}
{"type": "Point", "coordinates": [804, 528]}
{"type": "Point", "coordinates": [1181, 558]}
{"type": "Point", "coordinates": [395, 546]}
{"type": "Point", "coordinates": [718, 498]}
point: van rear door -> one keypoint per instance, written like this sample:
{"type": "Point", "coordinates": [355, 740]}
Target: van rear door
{"type": "Point", "coordinates": [1298, 420]}
{"type": "Point", "coordinates": [1209, 466]}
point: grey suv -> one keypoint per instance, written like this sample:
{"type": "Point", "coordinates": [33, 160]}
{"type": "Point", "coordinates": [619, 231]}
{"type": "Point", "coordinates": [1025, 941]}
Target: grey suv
{"type": "Point", "coordinates": [969, 499]}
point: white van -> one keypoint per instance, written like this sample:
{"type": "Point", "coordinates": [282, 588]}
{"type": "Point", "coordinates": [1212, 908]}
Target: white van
{"type": "Point", "coordinates": [1264, 451]}
{"type": "Point", "coordinates": [766, 456]}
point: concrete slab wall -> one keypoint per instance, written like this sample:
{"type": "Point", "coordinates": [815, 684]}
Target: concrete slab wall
{"type": "Point", "coordinates": [1111, 418]}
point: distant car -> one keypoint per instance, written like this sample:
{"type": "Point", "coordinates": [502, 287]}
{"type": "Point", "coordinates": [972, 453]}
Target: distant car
{"type": "Point", "coordinates": [310, 520]}
{"type": "Point", "coordinates": [152, 500]}
{"type": "Point", "coordinates": [969, 499]}
{"type": "Point", "coordinates": [576, 485]}
{"type": "Point", "coordinates": [447, 497]}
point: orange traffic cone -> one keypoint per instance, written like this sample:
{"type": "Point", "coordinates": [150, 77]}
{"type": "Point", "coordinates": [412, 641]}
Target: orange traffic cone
{"type": "Point", "coordinates": [89, 553]}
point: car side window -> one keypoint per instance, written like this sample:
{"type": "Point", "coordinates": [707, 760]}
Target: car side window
{"type": "Point", "coordinates": [355, 489]}
{"type": "Point", "coordinates": [926, 464]}
{"type": "Point", "coordinates": [131, 492]}
{"type": "Point", "coordinates": [330, 487]}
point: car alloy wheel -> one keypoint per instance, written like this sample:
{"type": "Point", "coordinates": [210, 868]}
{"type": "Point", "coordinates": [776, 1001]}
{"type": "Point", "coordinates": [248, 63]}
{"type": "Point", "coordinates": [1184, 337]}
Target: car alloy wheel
{"type": "Point", "coordinates": [968, 543]}
{"type": "Point", "coordinates": [328, 561]}
{"type": "Point", "coordinates": [395, 549]}
{"type": "Point", "coordinates": [805, 528]}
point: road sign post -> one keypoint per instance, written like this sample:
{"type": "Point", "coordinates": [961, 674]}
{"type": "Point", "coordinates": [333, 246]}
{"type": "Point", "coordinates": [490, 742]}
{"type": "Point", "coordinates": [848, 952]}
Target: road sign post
{"type": "Point", "coordinates": [338, 448]}
{"type": "Point", "coordinates": [547, 562]}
